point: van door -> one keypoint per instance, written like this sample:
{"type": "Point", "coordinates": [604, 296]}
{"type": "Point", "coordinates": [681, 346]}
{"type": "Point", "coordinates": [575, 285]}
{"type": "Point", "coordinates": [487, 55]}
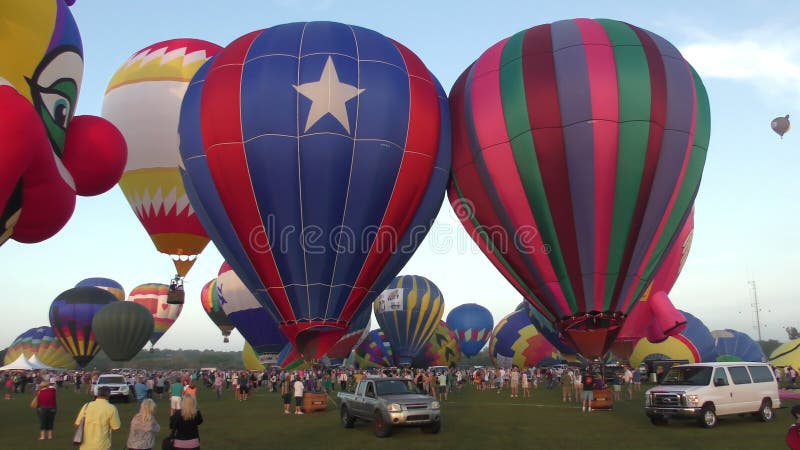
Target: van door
{"type": "Point", "coordinates": [722, 392]}
{"type": "Point", "coordinates": [744, 392]}
{"type": "Point", "coordinates": [764, 384]}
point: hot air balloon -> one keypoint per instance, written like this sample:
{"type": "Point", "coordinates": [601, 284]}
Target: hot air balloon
{"type": "Point", "coordinates": [598, 132]}
{"type": "Point", "coordinates": [654, 316]}
{"type": "Point", "coordinates": [71, 315]}
{"type": "Point", "coordinates": [47, 154]}
{"type": "Point", "coordinates": [734, 345]}
{"type": "Point", "coordinates": [209, 297]}
{"type": "Point", "coordinates": [106, 284]}
{"type": "Point", "coordinates": [143, 100]}
{"type": "Point", "coordinates": [328, 155]}
{"type": "Point", "coordinates": [374, 351]}
{"type": "Point", "coordinates": [547, 329]}
{"type": "Point", "coordinates": [442, 349]}
{"type": "Point", "coordinates": [154, 296]}
{"type": "Point", "coordinates": [787, 354]}
{"type": "Point", "coordinates": [250, 359]}
{"type": "Point", "coordinates": [695, 344]}
{"type": "Point", "coordinates": [356, 333]}
{"type": "Point", "coordinates": [516, 342]}
{"type": "Point", "coordinates": [781, 125]}
{"type": "Point", "coordinates": [253, 321]}
{"type": "Point", "coordinates": [122, 329]}
{"type": "Point", "coordinates": [408, 311]}
{"type": "Point", "coordinates": [290, 359]}
{"type": "Point", "coordinates": [472, 324]}
{"type": "Point", "coordinates": [42, 342]}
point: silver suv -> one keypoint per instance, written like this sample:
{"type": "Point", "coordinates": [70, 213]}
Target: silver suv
{"type": "Point", "coordinates": [116, 384]}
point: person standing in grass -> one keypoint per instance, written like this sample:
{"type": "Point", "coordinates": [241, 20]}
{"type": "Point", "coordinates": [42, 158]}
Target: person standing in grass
{"type": "Point", "coordinates": [567, 385]}
{"type": "Point", "coordinates": [627, 378]}
{"type": "Point", "coordinates": [526, 385]}
{"type": "Point", "coordinates": [100, 419]}
{"type": "Point", "coordinates": [587, 380]}
{"type": "Point", "coordinates": [46, 409]}
{"type": "Point", "coordinates": [286, 395]}
{"type": "Point", "coordinates": [144, 427]}
{"type": "Point", "coordinates": [140, 390]}
{"type": "Point", "coordinates": [185, 422]}
{"type": "Point", "coordinates": [175, 392]}
{"type": "Point", "coordinates": [514, 381]}
{"type": "Point", "coordinates": [442, 382]}
{"type": "Point", "coordinates": [298, 395]}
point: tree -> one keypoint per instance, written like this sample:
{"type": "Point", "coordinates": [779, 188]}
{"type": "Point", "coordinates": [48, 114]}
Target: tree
{"type": "Point", "coordinates": [769, 346]}
{"type": "Point", "coordinates": [792, 332]}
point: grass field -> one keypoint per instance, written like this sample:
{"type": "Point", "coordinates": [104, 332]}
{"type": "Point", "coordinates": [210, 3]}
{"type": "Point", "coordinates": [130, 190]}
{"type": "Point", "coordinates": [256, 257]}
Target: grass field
{"type": "Point", "coordinates": [471, 420]}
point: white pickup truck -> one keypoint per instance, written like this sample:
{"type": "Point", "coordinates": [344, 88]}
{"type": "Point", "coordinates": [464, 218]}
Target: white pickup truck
{"type": "Point", "coordinates": [389, 402]}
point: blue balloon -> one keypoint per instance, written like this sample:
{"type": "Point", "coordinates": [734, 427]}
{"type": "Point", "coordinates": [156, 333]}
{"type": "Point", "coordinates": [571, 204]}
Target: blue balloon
{"type": "Point", "coordinates": [734, 345]}
{"type": "Point", "coordinates": [547, 328]}
{"type": "Point", "coordinates": [302, 200]}
{"type": "Point", "coordinates": [473, 325]}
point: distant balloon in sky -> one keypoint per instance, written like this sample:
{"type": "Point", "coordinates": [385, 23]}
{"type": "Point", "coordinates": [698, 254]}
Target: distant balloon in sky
{"type": "Point", "coordinates": [210, 299]}
{"type": "Point", "coordinates": [47, 154]}
{"type": "Point", "coordinates": [105, 284]}
{"type": "Point", "coordinates": [408, 311]}
{"type": "Point", "coordinates": [354, 145]}
{"type": "Point", "coordinates": [122, 329]}
{"type": "Point", "coordinates": [143, 99]}
{"type": "Point", "coordinates": [734, 345]}
{"type": "Point", "coordinates": [781, 125]}
{"type": "Point", "coordinates": [153, 296]}
{"type": "Point", "coordinates": [580, 145]}
{"type": "Point", "coordinates": [472, 324]}
{"type": "Point", "coordinates": [42, 342]}
{"type": "Point", "coordinates": [71, 315]}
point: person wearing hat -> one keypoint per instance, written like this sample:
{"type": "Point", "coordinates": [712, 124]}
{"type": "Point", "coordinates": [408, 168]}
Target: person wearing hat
{"type": "Point", "coordinates": [793, 435]}
{"type": "Point", "coordinates": [45, 404]}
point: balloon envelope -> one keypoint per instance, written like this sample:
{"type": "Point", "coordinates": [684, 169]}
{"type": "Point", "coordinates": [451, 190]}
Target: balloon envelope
{"type": "Point", "coordinates": [472, 324]}
{"type": "Point", "coordinates": [441, 350]}
{"type": "Point", "coordinates": [374, 351]}
{"type": "Point", "coordinates": [71, 315]}
{"type": "Point", "coordinates": [734, 345]}
{"type": "Point", "coordinates": [154, 296]}
{"type": "Point", "coordinates": [106, 284]}
{"type": "Point", "coordinates": [516, 342]}
{"type": "Point", "coordinates": [253, 321]}
{"type": "Point", "coordinates": [143, 100]}
{"type": "Point", "coordinates": [781, 125]}
{"type": "Point", "coordinates": [43, 343]}
{"type": "Point", "coordinates": [408, 311]}
{"type": "Point", "coordinates": [327, 154]}
{"type": "Point", "coordinates": [250, 359]}
{"type": "Point", "coordinates": [210, 299]}
{"type": "Point", "coordinates": [122, 329]}
{"type": "Point", "coordinates": [695, 344]}
{"type": "Point", "coordinates": [356, 333]}
{"type": "Point", "coordinates": [787, 354]}
{"type": "Point", "coordinates": [597, 132]}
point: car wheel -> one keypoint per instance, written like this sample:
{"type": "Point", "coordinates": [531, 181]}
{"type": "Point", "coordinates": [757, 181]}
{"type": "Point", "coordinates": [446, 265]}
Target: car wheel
{"type": "Point", "coordinates": [765, 412]}
{"type": "Point", "coordinates": [432, 428]}
{"type": "Point", "coordinates": [382, 428]}
{"type": "Point", "coordinates": [658, 420]}
{"type": "Point", "coordinates": [708, 417]}
{"type": "Point", "coordinates": [347, 420]}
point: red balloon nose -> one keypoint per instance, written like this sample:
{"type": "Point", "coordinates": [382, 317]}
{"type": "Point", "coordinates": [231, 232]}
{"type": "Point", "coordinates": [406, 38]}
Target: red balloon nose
{"type": "Point", "coordinates": [95, 154]}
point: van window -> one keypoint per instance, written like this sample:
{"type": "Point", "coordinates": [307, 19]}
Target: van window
{"type": "Point", "coordinates": [720, 377]}
{"type": "Point", "coordinates": [761, 374]}
{"type": "Point", "coordinates": [739, 375]}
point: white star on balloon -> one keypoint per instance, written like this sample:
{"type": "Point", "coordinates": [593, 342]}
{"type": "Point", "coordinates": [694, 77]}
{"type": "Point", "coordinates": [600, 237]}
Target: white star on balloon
{"type": "Point", "coordinates": [328, 96]}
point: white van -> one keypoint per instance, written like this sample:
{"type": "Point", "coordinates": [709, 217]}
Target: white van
{"type": "Point", "coordinates": [705, 391]}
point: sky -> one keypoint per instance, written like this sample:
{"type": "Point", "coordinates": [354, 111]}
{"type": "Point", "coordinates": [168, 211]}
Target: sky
{"type": "Point", "coordinates": [746, 220]}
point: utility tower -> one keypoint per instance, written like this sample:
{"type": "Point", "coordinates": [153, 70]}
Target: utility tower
{"type": "Point", "coordinates": [756, 309]}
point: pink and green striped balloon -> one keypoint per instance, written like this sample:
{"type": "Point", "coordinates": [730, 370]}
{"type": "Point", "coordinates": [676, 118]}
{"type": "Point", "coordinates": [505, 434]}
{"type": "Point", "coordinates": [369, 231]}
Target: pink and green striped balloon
{"type": "Point", "coordinates": [578, 148]}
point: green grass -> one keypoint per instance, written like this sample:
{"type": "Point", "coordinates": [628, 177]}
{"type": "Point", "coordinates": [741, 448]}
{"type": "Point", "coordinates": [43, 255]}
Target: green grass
{"type": "Point", "coordinates": [470, 420]}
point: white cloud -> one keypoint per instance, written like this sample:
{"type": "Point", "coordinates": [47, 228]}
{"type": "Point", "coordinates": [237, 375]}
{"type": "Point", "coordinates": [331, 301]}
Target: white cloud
{"type": "Point", "coordinates": [767, 59]}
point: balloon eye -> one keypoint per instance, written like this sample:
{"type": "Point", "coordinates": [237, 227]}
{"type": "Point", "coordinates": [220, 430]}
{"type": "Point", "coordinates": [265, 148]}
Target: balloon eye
{"type": "Point", "coordinates": [58, 107]}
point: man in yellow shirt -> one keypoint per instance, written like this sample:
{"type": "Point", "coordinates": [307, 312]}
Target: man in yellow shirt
{"type": "Point", "coordinates": [101, 418]}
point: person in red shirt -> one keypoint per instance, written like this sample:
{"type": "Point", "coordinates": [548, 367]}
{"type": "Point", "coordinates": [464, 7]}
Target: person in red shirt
{"type": "Point", "coordinates": [46, 409]}
{"type": "Point", "coordinates": [793, 435]}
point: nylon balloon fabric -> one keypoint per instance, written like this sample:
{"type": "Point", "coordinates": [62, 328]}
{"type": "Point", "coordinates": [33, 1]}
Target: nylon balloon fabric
{"type": "Point", "coordinates": [580, 145]}
{"type": "Point", "coordinates": [317, 201]}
